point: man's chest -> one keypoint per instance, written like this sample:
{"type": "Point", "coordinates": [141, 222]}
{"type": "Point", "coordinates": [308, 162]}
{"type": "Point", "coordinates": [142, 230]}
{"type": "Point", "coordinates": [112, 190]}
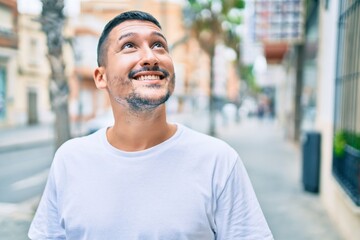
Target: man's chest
{"type": "Point", "coordinates": [139, 207]}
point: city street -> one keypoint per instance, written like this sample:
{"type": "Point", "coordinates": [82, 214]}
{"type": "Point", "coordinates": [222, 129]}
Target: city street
{"type": "Point", "coordinates": [23, 173]}
{"type": "Point", "coordinates": [281, 79]}
{"type": "Point", "coordinates": [25, 157]}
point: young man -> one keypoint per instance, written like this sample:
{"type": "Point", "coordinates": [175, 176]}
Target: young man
{"type": "Point", "coordinates": [145, 178]}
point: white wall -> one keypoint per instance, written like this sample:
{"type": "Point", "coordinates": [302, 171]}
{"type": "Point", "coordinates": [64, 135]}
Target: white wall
{"type": "Point", "coordinates": [342, 212]}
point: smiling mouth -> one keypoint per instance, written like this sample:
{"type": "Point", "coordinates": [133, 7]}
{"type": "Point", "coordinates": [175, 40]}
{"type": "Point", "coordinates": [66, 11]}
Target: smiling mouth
{"type": "Point", "coordinates": [149, 78]}
{"type": "Point", "coordinates": [148, 74]}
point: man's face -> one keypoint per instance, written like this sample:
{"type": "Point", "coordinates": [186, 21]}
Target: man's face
{"type": "Point", "coordinates": [139, 70]}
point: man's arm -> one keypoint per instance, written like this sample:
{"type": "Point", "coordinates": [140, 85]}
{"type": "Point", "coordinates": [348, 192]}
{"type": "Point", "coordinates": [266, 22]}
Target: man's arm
{"type": "Point", "coordinates": [46, 223]}
{"type": "Point", "coordinates": [238, 214]}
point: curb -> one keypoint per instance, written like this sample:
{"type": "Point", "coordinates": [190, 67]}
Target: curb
{"type": "Point", "coordinates": [25, 145]}
{"type": "Point", "coordinates": [19, 211]}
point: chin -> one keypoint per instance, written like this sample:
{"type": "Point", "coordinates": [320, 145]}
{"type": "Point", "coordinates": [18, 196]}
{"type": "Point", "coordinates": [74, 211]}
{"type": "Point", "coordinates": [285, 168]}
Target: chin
{"type": "Point", "coordinates": [140, 103]}
{"type": "Point", "coordinates": [155, 95]}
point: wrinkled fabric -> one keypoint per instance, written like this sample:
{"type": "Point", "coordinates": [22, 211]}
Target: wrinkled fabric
{"type": "Point", "coordinates": [191, 186]}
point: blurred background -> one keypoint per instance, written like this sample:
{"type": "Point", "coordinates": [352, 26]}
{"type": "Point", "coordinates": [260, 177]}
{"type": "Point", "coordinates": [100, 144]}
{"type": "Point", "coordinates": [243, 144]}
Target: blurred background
{"type": "Point", "coordinates": [277, 79]}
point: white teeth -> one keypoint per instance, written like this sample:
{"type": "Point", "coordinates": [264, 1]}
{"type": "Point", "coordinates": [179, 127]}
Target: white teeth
{"type": "Point", "coordinates": [148, 78]}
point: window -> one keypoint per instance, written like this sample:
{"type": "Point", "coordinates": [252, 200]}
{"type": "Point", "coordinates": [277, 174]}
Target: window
{"type": "Point", "coordinates": [346, 147]}
{"type": "Point", "coordinates": [2, 93]}
{"type": "Point", "coordinates": [34, 54]}
{"type": "Point", "coordinates": [6, 20]}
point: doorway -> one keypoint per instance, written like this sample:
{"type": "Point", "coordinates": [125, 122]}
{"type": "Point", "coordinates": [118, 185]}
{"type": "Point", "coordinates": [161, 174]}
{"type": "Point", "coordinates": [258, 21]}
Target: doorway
{"type": "Point", "coordinates": [32, 107]}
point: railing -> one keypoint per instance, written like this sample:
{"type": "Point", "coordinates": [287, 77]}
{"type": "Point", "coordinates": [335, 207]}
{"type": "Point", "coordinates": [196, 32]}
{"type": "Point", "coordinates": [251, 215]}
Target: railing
{"type": "Point", "coordinates": [346, 159]}
{"type": "Point", "coordinates": [346, 169]}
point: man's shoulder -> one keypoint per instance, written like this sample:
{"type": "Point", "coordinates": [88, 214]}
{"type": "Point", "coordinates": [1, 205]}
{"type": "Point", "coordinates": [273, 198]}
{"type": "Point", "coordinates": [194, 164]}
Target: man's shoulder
{"type": "Point", "coordinates": [206, 142]}
{"type": "Point", "coordinates": [194, 135]}
{"type": "Point", "coordinates": [83, 142]}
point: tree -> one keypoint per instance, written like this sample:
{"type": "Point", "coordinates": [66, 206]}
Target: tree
{"type": "Point", "coordinates": [52, 23]}
{"type": "Point", "coordinates": [213, 22]}
{"type": "Point", "coordinates": [312, 7]}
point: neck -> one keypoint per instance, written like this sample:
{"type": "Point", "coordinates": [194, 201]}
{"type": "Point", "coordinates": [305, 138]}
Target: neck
{"type": "Point", "coordinates": [135, 131]}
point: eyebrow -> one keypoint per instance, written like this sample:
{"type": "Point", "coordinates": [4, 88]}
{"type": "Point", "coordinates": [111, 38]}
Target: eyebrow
{"type": "Point", "coordinates": [130, 34]}
{"type": "Point", "coordinates": [160, 35]}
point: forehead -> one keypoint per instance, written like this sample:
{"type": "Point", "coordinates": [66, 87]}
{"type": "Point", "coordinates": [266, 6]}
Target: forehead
{"type": "Point", "coordinates": [134, 26]}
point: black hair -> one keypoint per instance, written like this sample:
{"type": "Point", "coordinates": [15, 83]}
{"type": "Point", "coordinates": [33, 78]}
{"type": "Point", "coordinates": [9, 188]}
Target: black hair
{"type": "Point", "coordinates": [125, 16]}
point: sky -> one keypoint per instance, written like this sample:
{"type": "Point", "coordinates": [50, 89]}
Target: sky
{"type": "Point", "coordinates": [72, 7]}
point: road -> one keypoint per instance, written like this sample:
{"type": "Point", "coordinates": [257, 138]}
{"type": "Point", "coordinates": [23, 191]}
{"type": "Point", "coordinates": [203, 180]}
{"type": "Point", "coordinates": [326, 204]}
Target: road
{"type": "Point", "coordinates": [23, 173]}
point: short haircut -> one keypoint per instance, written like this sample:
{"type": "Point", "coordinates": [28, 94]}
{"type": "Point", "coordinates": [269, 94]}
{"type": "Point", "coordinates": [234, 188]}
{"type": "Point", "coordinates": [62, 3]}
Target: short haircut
{"type": "Point", "coordinates": [125, 16]}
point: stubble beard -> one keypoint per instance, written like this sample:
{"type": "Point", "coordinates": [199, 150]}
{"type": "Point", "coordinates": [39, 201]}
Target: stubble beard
{"type": "Point", "coordinates": [138, 103]}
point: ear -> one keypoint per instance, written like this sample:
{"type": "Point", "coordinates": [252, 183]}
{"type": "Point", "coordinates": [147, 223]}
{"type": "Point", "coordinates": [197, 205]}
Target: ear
{"type": "Point", "coordinates": [100, 78]}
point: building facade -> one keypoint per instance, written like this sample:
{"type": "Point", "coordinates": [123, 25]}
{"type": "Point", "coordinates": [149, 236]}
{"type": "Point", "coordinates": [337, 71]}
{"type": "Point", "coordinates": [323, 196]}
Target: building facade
{"type": "Point", "coordinates": [338, 113]}
{"type": "Point", "coordinates": [33, 71]}
{"type": "Point", "coordinates": [9, 107]}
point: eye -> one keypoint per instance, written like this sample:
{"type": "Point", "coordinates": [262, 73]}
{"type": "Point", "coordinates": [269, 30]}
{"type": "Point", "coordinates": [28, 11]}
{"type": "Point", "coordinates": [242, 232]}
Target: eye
{"type": "Point", "coordinates": [158, 45]}
{"type": "Point", "coordinates": [127, 45]}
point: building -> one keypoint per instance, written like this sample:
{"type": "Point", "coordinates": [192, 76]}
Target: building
{"type": "Point", "coordinates": [27, 99]}
{"type": "Point", "coordinates": [338, 113]}
{"type": "Point", "coordinates": [33, 71]}
{"type": "Point", "coordinates": [10, 109]}
{"type": "Point", "coordinates": [275, 27]}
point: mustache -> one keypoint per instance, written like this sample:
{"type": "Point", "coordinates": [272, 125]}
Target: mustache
{"type": "Point", "coordinates": [146, 69]}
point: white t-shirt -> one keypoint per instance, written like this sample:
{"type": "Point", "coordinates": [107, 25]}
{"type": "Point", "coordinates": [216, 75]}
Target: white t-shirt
{"type": "Point", "coordinates": [191, 186]}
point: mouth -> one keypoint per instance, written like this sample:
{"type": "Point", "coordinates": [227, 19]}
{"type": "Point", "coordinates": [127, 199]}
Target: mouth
{"type": "Point", "coordinates": [149, 74]}
{"type": "Point", "coordinates": [150, 77]}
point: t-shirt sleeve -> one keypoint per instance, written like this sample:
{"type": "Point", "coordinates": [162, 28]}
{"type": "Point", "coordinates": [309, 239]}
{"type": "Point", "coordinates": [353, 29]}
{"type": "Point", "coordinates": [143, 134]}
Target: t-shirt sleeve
{"type": "Point", "coordinates": [238, 214]}
{"type": "Point", "coordinates": [46, 223]}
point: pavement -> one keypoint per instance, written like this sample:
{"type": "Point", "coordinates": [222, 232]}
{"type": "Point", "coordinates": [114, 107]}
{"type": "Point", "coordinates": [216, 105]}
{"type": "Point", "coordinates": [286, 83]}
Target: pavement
{"type": "Point", "coordinates": [15, 138]}
{"type": "Point", "coordinates": [275, 169]}
{"type": "Point", "coordinates": [273, 164]}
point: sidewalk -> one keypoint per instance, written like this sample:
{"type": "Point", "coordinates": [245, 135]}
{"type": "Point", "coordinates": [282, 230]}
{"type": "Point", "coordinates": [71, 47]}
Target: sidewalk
{"type": "Point", "coordinates": [15, 138]}
{"type": "Point", "coordinates": [274, 166]}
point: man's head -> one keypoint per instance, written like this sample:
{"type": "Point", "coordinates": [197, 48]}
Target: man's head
{"type": "Point", "coordinates": [135, 65]}
{"type": "Point", "coordinates": [125, 16]}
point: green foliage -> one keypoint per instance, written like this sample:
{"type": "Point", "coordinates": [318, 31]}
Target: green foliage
{"type": "Point", "coordinates": [352, 139]}
{"type": "Point", "coordinates": [246, 73]}
{"type": "Point", "coordinates": [339, 144]}
{"type": "Point", "coordinates": [214, 21]}
{"type": "Point", "coordinates": [234, 18]}
{"type": "Point", "coordinates": [343, 138]}
{"type": "Point", "coordinates": [239, 4]}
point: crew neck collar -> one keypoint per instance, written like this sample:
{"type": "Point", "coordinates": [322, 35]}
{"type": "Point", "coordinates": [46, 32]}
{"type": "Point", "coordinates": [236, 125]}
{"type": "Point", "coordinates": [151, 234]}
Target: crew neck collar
{"type": "Point", "coordinates": [142, 153]}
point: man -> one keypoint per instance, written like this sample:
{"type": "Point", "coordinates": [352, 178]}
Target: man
{"type": "Point", "coordinates": [145, 178]}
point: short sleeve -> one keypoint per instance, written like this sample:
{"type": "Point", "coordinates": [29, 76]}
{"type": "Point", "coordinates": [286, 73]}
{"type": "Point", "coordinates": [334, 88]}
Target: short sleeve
{"type": "Point", "coordinates": [238, 214]}
{"type": "Point", "coordinates": [46, 222]}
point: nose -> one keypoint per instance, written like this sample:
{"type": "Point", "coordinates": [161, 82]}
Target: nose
{"type": "Point", "coordinates": [149, 58]}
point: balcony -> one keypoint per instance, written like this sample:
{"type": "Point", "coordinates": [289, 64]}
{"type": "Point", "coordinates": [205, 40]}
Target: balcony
{"type": "Point", "coordinates": [8, 39]}
{"type": "Point", "coordinates": [8, 24]}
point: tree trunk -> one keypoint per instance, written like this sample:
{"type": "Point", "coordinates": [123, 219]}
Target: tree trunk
{"type": "Point", "coordinates": [52, 22]}
{"type": "Point", "coordinates": [62, 126]}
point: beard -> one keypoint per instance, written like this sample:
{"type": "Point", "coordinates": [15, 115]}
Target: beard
{"type": "Point", "coordinates": [139, 103]}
